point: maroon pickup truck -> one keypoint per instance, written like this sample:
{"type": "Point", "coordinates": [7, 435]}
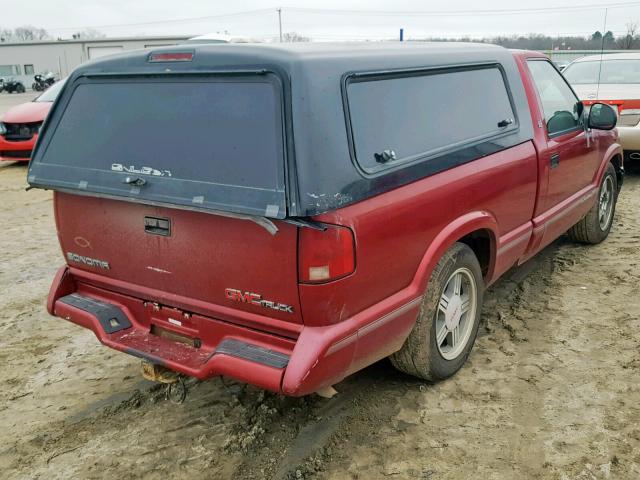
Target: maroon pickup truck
{"type": "Point", "coordinates": [288, 214]}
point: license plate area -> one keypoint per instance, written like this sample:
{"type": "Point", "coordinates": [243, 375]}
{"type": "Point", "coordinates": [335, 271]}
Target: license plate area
{"type": "Point", "coordinates": [173, 324]}
{"type": "Point", "coordinates": [175, 336]}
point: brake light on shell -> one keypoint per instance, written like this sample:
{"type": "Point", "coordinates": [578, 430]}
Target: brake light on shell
{"type": "Point", "coordinates": [171, 57]}
{"type": "Point", "coordinates": [325, 255]}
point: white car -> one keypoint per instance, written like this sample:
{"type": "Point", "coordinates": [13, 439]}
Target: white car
{"type": "Point", "coordinates": [618, 85]}
{"type": "Point", "coordinates": [213, 38]}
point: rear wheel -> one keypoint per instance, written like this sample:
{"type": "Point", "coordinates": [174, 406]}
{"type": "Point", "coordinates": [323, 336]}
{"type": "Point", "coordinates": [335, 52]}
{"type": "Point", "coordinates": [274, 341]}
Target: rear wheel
{"type": "Point", "coordinates": [447, 325]}
{"type": "Point", "coordinates": [595, 226]}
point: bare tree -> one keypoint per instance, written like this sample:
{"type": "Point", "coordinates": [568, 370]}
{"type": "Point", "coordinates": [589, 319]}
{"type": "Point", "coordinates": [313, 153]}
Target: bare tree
{"type": "Point", "coordinates": [89, 33]}
{"type": "Point", "coordinates": [536, 41]}
{"type": "Point", "coordinates": [6, 35]}
{"type": "Point", "coordinates": [29, 33]}
{"type": "Point", "coordinates": [629, 40]}
{"type": "Point", "coordinates": [294, 37]}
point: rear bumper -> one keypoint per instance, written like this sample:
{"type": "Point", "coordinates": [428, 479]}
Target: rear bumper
{"type": "Point", "coordinates": [16, 151]}
{"type": "Point", "coordinates": [318, 357]}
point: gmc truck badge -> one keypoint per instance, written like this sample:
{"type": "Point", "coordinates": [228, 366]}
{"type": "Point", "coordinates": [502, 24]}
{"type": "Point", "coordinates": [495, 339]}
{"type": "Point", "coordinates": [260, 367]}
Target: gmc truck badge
{"type": "Point", "coordinates": [255, 299]}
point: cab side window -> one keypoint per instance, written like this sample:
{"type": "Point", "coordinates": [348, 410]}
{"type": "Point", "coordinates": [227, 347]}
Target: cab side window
{"type": "Point", "coordinates": [560, 105]}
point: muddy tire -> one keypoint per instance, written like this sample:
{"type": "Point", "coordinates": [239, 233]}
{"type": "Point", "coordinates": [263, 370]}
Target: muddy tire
{"type": "Point", "coordinates": [595, 226]}
{"type": "Point", "coordinates": [447, 324]}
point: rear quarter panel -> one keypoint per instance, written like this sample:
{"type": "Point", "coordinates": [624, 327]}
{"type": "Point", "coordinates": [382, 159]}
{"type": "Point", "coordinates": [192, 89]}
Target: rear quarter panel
{"type": "Point", "coordinates": [394, 231]}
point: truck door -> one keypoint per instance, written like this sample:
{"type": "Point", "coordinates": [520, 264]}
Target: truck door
{"type": "Point", "coordinates": [570, 157]}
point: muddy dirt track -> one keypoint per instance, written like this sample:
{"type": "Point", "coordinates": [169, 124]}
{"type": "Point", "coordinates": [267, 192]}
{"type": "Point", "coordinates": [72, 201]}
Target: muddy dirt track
{"type": "Point", "coordinates": [552, 388]}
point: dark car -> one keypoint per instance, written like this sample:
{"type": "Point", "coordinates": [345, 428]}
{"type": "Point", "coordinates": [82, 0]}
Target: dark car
{"type": "Point", "coordinates": [11, 85]}
{"type": "Point", "coordinates": [289, 214]}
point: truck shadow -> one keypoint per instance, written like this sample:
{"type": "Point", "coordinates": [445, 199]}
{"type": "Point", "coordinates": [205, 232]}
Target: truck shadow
{"type": "Point", "coordinates": [13, 166]}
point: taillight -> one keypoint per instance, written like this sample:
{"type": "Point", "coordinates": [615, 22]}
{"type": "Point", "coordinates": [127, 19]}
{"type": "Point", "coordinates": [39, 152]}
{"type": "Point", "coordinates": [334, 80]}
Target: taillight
{"type": "Point", "coordinates": [629, 117]}
{"type": "Point", "coordinates": [325, 255]}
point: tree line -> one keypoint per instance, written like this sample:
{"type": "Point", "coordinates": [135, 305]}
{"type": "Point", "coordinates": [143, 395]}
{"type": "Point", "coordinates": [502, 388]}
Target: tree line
{"type": "Point", "coordinates": [535, 41]}
{"type": "Point", "coordinates": [29, 33]}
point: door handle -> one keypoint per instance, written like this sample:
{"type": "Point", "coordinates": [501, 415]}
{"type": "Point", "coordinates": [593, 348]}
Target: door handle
{"type": "Point", "coordinates": [555, 160]}
{"type": "Point", "coordinates": [135, 181]}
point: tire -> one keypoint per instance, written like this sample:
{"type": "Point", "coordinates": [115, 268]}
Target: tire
{"type": "Point", "coordinates": [595, 226]}
{"type": "Point", "coordinates": [21, 89]}
{"type": "Point", "coordinates": [425, 356]}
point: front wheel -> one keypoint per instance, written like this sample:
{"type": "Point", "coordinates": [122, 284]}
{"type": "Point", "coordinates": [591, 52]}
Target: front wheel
{"type": "Point", "coordinates": [21, 89]}
{"type": "Point", "coordinates": [447, 324]}
{"type": "Point", "coordinates": [595, 226]}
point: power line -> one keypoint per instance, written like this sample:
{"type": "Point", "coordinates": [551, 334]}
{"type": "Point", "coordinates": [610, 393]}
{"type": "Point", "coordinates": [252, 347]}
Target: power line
{"type": "Point", "coordinates": [428, 36]}
{"type": "Point", "coordinates": [172, 21]}
{"type": "Point", "coordinates": [379, 13]}
{"type": "Point", "coordinates": [501, 11]}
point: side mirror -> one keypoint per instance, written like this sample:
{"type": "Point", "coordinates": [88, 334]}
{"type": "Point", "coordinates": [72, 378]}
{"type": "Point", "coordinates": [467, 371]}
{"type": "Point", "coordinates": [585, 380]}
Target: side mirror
{"type": "Point", "coordinates": [602, 117]}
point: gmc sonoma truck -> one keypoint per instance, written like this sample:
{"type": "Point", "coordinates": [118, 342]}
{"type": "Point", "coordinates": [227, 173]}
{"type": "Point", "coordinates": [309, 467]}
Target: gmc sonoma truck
{"type": "Point", "coordinates": [288, 214]}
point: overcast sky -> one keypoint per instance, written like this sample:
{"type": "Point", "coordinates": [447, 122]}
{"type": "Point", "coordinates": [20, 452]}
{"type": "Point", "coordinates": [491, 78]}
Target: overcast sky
{"type": "Point", "coordinates": [319, 19]}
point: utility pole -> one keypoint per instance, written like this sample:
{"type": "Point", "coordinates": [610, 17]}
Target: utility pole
{"type": "Point", "coordinates": [280, 22]}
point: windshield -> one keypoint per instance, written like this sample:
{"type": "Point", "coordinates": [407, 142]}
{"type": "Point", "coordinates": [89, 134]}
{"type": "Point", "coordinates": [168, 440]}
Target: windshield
{"type": "Point", "coordinates": [613, 72]}
{"type": "Point", "coordinates": [212, 143]}
{"type": "Point", "coordinates": [51, 93]}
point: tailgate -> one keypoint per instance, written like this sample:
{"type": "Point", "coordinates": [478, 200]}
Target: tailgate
{"type": "Point", "coordinates": [211, 258]}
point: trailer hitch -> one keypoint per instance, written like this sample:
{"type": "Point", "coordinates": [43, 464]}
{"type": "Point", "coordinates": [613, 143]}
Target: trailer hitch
{"type": "Point", "coordinates": [176, 388]}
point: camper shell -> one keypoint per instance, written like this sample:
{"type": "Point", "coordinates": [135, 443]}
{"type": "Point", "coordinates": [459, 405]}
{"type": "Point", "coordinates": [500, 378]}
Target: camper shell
{"type": "Point", "coordinates": [311, 85]}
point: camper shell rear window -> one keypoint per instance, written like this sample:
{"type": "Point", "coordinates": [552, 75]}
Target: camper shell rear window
{"type": "Point", "coordinates": [201, 141]}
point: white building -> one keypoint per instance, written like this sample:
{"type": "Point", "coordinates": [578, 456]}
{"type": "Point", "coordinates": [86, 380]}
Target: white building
{"type": "Point", "coordinates": [23, 60]}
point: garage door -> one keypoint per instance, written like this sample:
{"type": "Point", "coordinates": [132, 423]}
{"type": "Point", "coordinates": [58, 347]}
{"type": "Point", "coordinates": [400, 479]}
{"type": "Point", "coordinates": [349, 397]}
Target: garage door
{"type": "Point", "coordinates": [97, 52]}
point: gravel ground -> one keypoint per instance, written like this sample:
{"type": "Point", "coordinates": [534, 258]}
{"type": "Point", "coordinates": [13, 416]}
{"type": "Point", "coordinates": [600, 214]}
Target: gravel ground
{"type": "Point", "coordinates": [552, 388]}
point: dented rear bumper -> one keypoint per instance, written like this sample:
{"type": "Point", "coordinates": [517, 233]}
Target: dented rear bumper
{"type": "Point", "coordinates": [203, 347]}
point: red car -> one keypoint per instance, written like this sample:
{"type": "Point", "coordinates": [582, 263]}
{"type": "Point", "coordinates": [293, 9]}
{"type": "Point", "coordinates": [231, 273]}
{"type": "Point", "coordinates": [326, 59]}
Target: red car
{"type": "Point", "coordinates": [20, 126]}
{"type": "Point", "coordinates": [288, 214]}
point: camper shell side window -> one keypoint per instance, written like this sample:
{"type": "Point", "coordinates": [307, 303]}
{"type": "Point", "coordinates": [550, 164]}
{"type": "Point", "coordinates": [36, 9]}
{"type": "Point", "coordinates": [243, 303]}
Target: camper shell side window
{"type": "Point", "coordinates": [397, 119]}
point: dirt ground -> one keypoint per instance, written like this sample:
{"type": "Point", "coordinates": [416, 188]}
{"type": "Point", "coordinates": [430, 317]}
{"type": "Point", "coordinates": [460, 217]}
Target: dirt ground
{"type": "Point", "coordinates": [552, 388]}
